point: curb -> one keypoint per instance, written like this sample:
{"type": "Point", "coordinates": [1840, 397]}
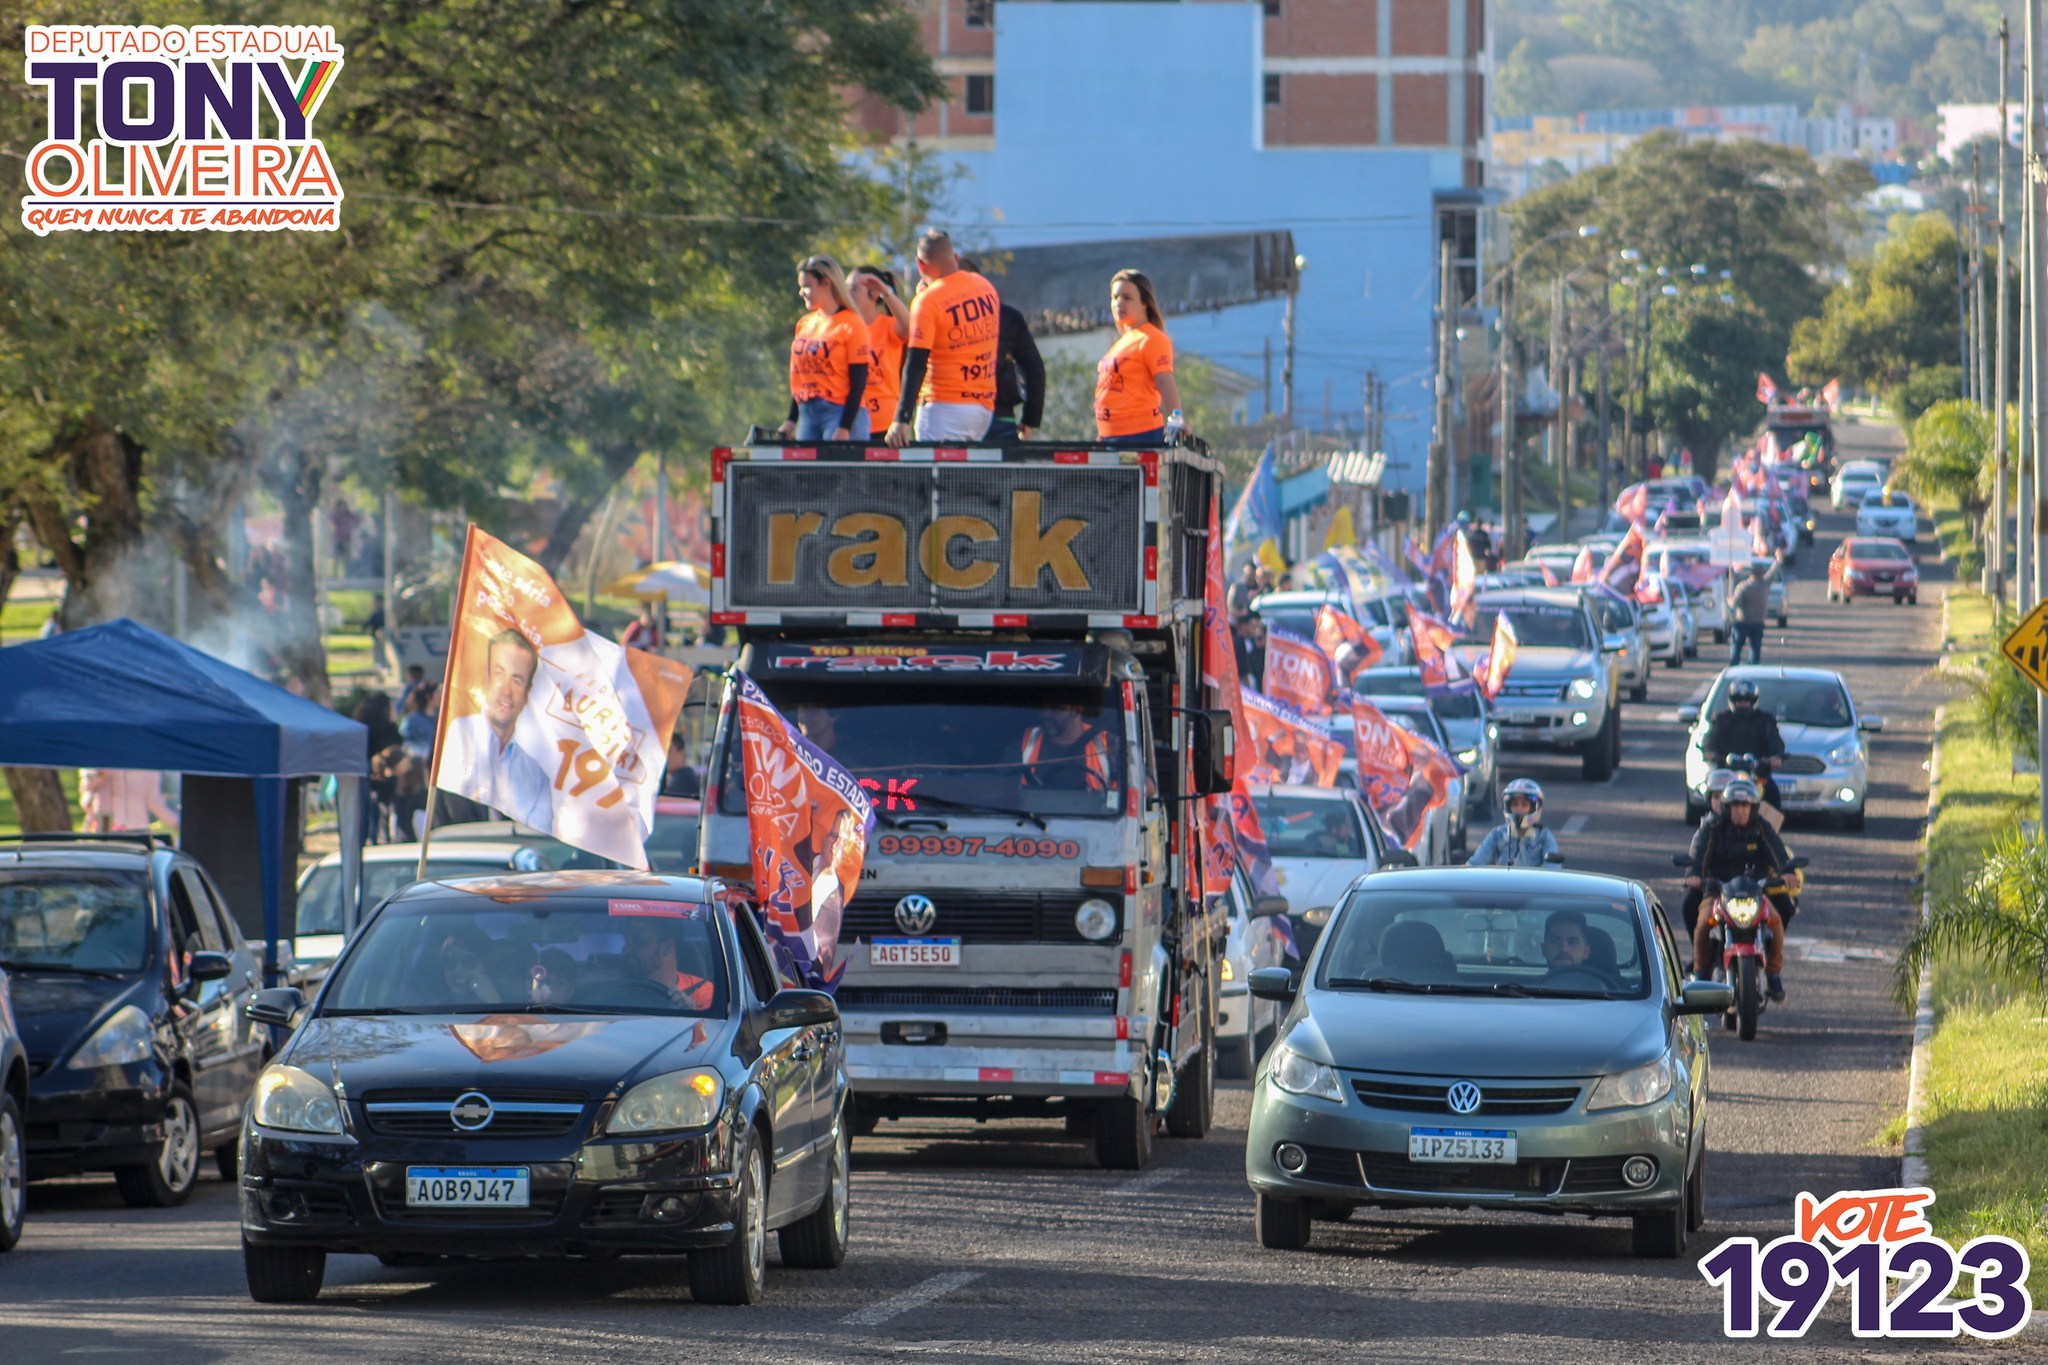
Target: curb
{"type": "Point", "coordinates": [1913, 1160]}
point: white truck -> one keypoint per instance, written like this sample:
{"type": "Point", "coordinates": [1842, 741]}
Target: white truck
{"type": "Point", "coordinates": [1004, 647]}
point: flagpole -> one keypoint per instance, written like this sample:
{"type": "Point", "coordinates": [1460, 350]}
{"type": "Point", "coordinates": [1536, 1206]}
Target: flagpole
{"type": "Point", "coordinates": [441, 720]}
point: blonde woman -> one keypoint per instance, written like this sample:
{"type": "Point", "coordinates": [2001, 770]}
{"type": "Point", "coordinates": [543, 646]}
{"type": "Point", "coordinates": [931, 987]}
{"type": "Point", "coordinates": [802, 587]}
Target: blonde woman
{"type": "Point", "coordinates": [828, 359]}
{"type": "Point", "coordinates": [1136, 400]}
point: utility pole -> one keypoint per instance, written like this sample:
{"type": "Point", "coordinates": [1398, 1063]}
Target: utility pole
{"type": "Point", "coordinates": [2030, 329]}
{"type": "Point", "coordinates": [1436, 481]}
{"type": "Point", "coordinates": [1566, 446]}
{"type": "Point", "coordinates": [1287, 361]}
{"type": "Point", "coordinates": [1504, 447]}
{"type": "Point", "coordinates": [1557, 386]}
{"type": "Point", "coordinates": [1980, 330]}
{"type": "Point", "coordinates": [1607, 492]}
{"type": "Point", "coordinates": [1999, 397]}
{"type": "Point", "coordinates": [2029, 508]}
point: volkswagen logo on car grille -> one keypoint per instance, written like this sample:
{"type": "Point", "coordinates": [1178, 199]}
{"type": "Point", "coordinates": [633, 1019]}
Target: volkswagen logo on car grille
{"type": "Point", "coordinates": [1464, 1098]}
{"type": "Point", "coordinates": [471, 1112]}
{"type": "Point", "coordinates": [915, 914]}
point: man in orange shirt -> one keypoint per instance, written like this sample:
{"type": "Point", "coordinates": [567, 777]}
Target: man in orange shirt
{"type": "Point", "coordinates": [949, 368]}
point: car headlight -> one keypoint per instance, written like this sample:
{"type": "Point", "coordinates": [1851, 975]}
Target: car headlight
{"type": "Point", "coordinates": [296, 1101]}
{"type": "Point", "coordinates": [1627, 1089]}
{"type": "Point", "coordinates": [1583, 688]}
{"type": "Point", "coordinates": [1095, 920]}
{"type": "Point", "coordinates": [1297, 1075]}
{"type": "Point", "coordinates": [1229, 972]}
{"type": "Point", "coordinates": [124, 1038]}
{"type": "Point", "coordinates": [666, 1104]}
{"type": "Point", "coordinates": [1843, 754]}
{"type": "Point", "coordinates": [1468, 757]}
{"type": "Point", "coordinates": [1743, 910]}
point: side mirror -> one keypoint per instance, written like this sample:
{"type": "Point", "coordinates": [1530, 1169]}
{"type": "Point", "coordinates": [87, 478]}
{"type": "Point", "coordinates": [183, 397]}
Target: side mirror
{"type": "Point", "coordinates": [1274, 983]}
{"type": "Point", "coordinates": [1794, 864]}
{"type": "Point", "coordinates": [1704, 997]}
{"type": "Point", "coordinates": [1214, 749]}
{"type": "Point", "coordinates": [1556, 859]}
{"type": "Point", "coordinates": [1613, 644]}
{"type": "Point", "coordinates": [1399, 857]}
{"type": "Point", "coordinates": [276, 1006]}
{"type": "Point", "coordinates": [800, 1009]}
{"type": "Point", "coordinates": [210, 966]}
{"type": "Point", "coordinates": [1870, 725]}
{"type": "Point", "coordinates": [1266, 906]}
{"type": "Point", "coordinates": [1683, 715]}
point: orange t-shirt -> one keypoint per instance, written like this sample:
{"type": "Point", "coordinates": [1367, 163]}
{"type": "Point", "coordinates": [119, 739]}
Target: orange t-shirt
{"type": "Point", "coordinates": [824, 346]}
{"type": "Point", "coordinates": [1127, 384]}
{"type": "Point", "coordinates": [885, 373]}
{"type": "Point", "coordinates": [956, 319]}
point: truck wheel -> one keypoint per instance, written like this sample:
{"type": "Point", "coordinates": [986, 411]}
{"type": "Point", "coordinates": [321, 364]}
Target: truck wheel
{"type": "Point", "coordinates": [1123, 1134]}
{"type": "Point", "coordinates": [1597, 754]}
{"type": "Point", "coordinates": [1237, 1058]}
{"type": "Point", "coordinates": [1194, 1094]}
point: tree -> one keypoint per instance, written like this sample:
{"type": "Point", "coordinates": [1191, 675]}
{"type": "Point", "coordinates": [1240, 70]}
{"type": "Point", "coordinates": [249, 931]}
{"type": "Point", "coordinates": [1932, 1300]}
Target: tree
{"type": "Point", "coordinates": [1704, 357]}
{"type": "Point", "coordinates": [1525, 85]}
{"type": "Point", "coordinates": [1895, 318]}
{"type": "Point", "coordinates": [1999, 917]}
{"type": "Point", "coordinates": [1948, 453]}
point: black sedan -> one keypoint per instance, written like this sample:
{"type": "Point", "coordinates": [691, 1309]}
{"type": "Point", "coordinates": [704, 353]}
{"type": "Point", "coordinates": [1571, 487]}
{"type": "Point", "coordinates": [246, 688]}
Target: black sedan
{"type": "Point", "coordinates": [550, 1064]}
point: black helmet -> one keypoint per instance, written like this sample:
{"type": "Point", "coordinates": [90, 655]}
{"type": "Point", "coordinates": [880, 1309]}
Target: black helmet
{"type": "Point", "coordinates": [1742, 763]}
{"type": "Point", "coordinates": [1742, 691]}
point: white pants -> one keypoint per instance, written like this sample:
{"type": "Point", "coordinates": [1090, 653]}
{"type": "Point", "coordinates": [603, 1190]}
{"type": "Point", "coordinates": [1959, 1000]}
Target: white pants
{"type": "Point", "coordinates": [953, 421]}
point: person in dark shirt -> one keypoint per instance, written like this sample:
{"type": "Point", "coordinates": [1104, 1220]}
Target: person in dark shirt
{"type": "Point", "coordinates": [1251, 652]}
{"type": "Point", "coordinates": [1020, 375]}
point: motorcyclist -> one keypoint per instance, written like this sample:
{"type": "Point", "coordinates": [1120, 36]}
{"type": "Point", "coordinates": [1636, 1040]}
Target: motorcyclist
{"type": "Point", "coordinates": [1733, 844]}
{"type": "Point", "coordinates": [1744, 728]}
{"type": "Point", "coordinates": [1520, 840]}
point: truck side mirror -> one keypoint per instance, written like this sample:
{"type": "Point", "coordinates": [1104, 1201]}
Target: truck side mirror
{"type": "Point", "coordinates": [1213, 749]}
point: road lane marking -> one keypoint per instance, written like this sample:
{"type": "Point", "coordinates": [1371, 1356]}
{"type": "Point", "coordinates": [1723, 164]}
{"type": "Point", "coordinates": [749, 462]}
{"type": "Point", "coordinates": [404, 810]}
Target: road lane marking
{"type": "Point", "coordinates": [1151, 1180]}
{"type": "Point", "coordinates": [918, 1295]}
{"type": "Point", "coordinates": [1576, 823]}
{"type": "Point", "coordinates": [1636, 746]}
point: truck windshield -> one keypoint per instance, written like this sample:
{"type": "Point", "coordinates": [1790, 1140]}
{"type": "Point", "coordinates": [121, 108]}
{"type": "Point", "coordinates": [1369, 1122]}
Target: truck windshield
{"type": "Point", "coordinates": [1537, 627]}
{"type": "Point", "coordinates": [947, 751]}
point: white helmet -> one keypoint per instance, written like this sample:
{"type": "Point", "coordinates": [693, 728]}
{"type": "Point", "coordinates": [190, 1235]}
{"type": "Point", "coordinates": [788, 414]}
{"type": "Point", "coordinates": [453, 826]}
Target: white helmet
{"type": "Point", "coordinates": [1524, 787]}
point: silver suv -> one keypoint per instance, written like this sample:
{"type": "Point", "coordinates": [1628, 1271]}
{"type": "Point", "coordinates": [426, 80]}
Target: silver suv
{"type": "Point", "coordinates": [1563, 691]}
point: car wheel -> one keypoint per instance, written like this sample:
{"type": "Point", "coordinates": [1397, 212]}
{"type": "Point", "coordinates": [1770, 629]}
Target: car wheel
{"type": "Point", "coordinates": [1696, 1195]}
{"type": "Point", "coordinates": [1640, 691]}
{"type": "Point", "coordinates": [227, 1159]}
{"type": "Point", "coordinates": [1898, 599]}
{"type": "Point", "coordinates": [1721, 637]}
{"type": "Point", "coordinates": [1661, 1235]}
{"type": "Point", "coordinates": [1783, 622]}
{"type": "Point", "coordinates": [1123, 1134]}
{"type": "Point", "coordinates": [1597, 754]}
{"type": "Point", "coordinates": [1194, 1092]}
{"type": "Point", "coordinates": [818, 1240]}
{"type": "Point", "coordinates": [13, 1174]}
{"type": "Point", "coordinates": [736, 1272]}
{"type": "Point", "coordinates": [1913, 598]}
{"type": "Point", "coordinates": [167, 1181]}
{"type": "Point", "coordinates": [860, 1120]}
{"type": "Point", "coordinates": [1677, 656]}
{"type": "Point", "coordinates": [1280, 1224]}
{"type": "Point", "coordinates": [283, 1274]}
{"type": "Point", "coordinates": [1853, 821]}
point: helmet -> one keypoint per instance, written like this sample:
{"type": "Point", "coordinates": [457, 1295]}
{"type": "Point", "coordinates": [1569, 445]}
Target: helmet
{"type": "Point", "coordinates": [1743, 690]}
{"type": "Point", "coordinates": [1742, 763]}
{"type": "Point", "coordinates": [1526, 788]}
{"type": "Point", "coordinates": [1718, 780]}
{"type": "Point", "coordinates": [1741, 789]}
{"type": "Point", "coordinates": [1464, 518]}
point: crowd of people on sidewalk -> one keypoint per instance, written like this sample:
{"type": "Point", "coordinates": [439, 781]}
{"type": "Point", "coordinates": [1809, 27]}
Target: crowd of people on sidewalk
{"type": "Point", "coordinates": [401, 757]}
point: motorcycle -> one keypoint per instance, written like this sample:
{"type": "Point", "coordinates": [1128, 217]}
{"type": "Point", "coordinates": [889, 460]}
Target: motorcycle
{"type": "Point", "coordinates": [1740, 937]}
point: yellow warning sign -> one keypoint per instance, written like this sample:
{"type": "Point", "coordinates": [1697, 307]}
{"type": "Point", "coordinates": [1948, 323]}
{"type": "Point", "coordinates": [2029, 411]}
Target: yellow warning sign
{"type": "Point", "coordinates": [2027, 646]}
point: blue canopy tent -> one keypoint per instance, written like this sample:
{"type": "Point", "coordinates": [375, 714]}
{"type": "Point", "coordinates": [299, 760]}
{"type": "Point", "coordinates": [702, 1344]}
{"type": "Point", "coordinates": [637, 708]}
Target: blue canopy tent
{"type": "Point", "coordinates": [121, 695]}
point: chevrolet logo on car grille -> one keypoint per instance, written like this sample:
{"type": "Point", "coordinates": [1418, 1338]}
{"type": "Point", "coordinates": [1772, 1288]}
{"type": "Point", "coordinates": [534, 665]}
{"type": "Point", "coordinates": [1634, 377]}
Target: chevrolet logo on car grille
{"type": "Point", "coordinates": [471, 1111]}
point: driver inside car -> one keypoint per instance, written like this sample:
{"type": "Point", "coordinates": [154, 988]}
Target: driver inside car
{"type": "Point", "coordinates": [651, 947]}
{"type": "Point", "coordinates": [1565, 941]}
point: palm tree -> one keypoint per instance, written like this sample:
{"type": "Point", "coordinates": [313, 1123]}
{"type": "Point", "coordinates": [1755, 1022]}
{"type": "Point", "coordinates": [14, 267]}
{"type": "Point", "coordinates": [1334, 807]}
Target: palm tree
{"type": "Point", "coordinates": [2001, 914]}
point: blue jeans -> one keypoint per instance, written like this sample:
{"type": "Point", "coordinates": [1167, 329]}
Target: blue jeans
{"type": "Point", "coordinates": [817, 419]}
{"type": "Point", "coordinates": [1740, 633]}
{"type": "Point", "coordinates": [1156, 436]}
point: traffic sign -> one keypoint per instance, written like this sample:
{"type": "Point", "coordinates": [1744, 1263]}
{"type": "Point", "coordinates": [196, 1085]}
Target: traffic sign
{"type": "Point", "coordinates": [2027, 646]}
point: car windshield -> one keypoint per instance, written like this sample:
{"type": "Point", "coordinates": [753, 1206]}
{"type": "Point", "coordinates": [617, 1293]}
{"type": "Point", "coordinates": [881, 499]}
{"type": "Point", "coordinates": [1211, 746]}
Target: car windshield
{"type": "Point", "coordinates": [1794, 701]}
{"type": "Point", "coordinates": [1490, 940]}
{"type": "Point", "coordinates": [1305, 827]}
{"type": "Point", "coordinates": [583, 955]}
{"type": "Point", "coordinates": [1536, 627]}
{"type": "Point", "coordinates": [1614, 613]}
{"type": "Point", "coordinates": [1876, 549]}
{"type": "Point", "coordinates": [74, 920]}
{"type": "Point", "coordinates": [928, 748]}
{"type": "Point", "coordinates": [1417, 723]}
{"type": "Point", "coordinates": [320, 910]}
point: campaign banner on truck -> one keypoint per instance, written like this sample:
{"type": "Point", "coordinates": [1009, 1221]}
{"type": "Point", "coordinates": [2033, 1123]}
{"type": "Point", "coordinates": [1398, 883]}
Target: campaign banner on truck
{"type": "Point", "coordinates": [819, 536]}
{"type": "Point", "coordinates": [544, 722]}
{"type": "Point", "coordinates": [809, 821]}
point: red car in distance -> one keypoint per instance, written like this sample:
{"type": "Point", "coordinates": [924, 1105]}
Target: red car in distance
{"type": "Point", "coordinates": [1873, 566]}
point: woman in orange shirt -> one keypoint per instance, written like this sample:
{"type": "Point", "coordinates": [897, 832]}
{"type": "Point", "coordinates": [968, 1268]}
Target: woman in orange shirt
{"type": "Point", "coordinates": [1136, 400]}
{"type": "Point", "coordinates": [888, 320]}
{"type": "Point", "coordinates": [828, 359]}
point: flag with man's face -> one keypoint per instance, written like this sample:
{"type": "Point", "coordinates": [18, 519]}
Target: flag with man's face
{"type": "Point", "coordinates": [1335, 629]}
{"type": "Point", "coordinates": [1297, 672]}
{"type": "Point", "coordinates": [809, 822]}
{"type": "Point", "coordinates": [1286, 746]}
{"type": "Point", "coordinates": [549, 725]}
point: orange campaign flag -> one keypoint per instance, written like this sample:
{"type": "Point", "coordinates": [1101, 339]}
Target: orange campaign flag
{"type": "Point", "coordinates": [1287, 746]}
{"type": "Point", "coordinates": [1386, 773]}
{"type": "Point", "coordinates": [542, 721]}
{"type": "Point", "coordinates": [1492, 668]}
{"type": "Point", "coordinates": [809, 821]}
{"type": "Point", "coordinates": [1582, 567]}
{"type": "Point", "coordinates": [1219, 646]}
{"type": "Point", "coordinates": [1298, 673]}
{"type": "Point", "coordinates": [1334, 630]}
{"type": "Point", "coordinates": [1464, 580]}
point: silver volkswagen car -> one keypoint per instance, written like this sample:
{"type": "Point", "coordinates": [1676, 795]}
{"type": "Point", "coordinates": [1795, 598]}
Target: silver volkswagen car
{"type": "Point", "coordinates": [1487, 1038]}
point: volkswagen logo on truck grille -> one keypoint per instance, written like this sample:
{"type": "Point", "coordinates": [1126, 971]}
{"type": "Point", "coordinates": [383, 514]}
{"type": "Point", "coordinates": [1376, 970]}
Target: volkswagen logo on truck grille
{"type": "Point", "coordinates": [1464, 1098]}
{"type": "Point", "coordinates": [471, 1111]}
{"type": "Point", "coordinates": [916, 914]}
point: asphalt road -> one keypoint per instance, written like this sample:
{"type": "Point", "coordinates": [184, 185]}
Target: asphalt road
{"type": "Point", "coordinates": [980, 1245]}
